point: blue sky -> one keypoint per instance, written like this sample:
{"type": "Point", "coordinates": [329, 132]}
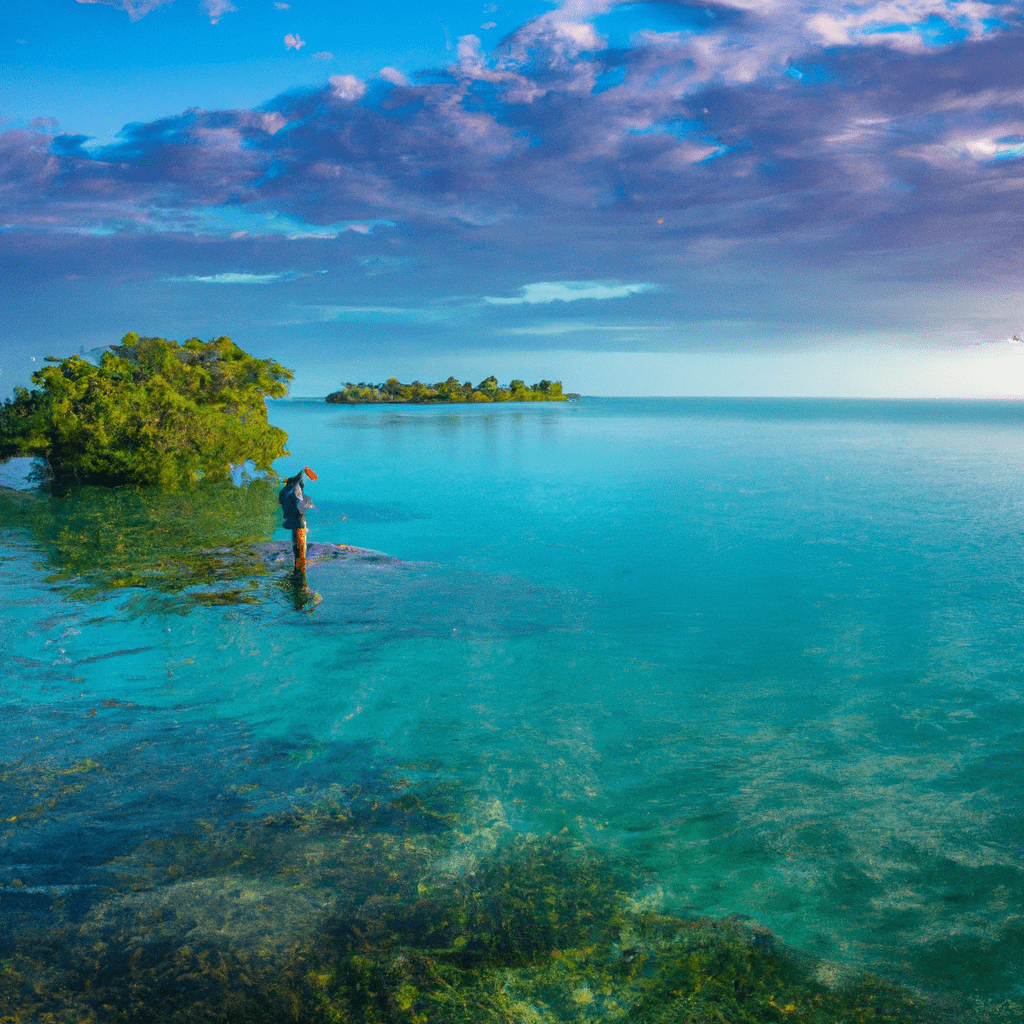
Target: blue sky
{"type": "Point", "coordinates": [753, 197]}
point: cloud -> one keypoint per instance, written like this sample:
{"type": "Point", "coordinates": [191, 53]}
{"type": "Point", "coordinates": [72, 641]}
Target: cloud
{"type": "Point", "coordinates": [237, 222]}
{"type": "Point", "coordinates": [555, 328]}
{"type": "Point", "coordinates": [293, 42]}
{"type": "Point", "coordinates": [489, 25]}
{"type": "Point", "coordinates": [1006, 143]}
{"type": "Point", "coordinates": [323, 55]}
{"type": "Point", "coordinates": [680, 149]}
{"type": "Point", "coordinates": [366, 315]}
{"type": "Point", "coordinates": [230, 278]}
{"type": "Point", "coordinates": [393, 75]}
{"type": "Point", "coordinates": [570, 291]}
{"type": "Point", "coordinates": [347, 87]}
{"type": "Point", "coordinates": [135, 9]}
{"type": "Point", "coordinates": [215, 8]}
{"type": "Point", "coordinates": [282, 7]}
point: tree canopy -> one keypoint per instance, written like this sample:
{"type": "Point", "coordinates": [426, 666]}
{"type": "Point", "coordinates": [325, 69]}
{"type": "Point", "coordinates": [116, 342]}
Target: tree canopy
{"type": "Point", "coordinates": [150, 411]}
{"type": "Point", "coordinates": [450, 390]}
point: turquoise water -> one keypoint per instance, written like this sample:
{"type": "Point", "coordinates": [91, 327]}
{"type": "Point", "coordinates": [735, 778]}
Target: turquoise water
{"type": "Point", "coordinates": [769, 651]}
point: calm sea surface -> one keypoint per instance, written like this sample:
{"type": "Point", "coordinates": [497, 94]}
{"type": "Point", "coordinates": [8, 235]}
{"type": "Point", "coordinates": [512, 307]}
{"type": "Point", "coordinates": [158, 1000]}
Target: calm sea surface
{"type": "Point", "coordinates": [770, 652]}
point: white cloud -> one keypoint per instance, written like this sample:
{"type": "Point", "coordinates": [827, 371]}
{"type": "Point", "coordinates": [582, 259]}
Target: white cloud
{"type": "Point", "coordinates": [1001, 142]}
{"type": "Point", "coordinates": [897, 23]}
{"type": "Point", "coordinates": [559, 327]}
{"type": "Point", "coordinates": [234, 278]}
{"type": "Point", "coordinates": [294, 42]}
{"type": "Point", "coordinates": [135, 9]}
{"type": "Point", "coordinates": [347, 87]}
{"type": "Point", "coordinates": [489, 24]}
{"type": "Point", "coordinates": [570, 291]}
{"type": "Point", "coordinates": [323, 55]}
{"type": "Point", "coordinates": [580, 35]}
{"type": "Point", "coordinates": [282, 7]}
{"type": "Point", "coordinates": [332, 231]}
{"type": "Point", "coordinates": [988, 148]}
{"type": "Point", "coordinates": [392, 75]}
{"type": "Point", "coordinates": [215, 8]}
{"type": "Point", "coordinates": [271, 123]}
{"type": "Point", "coordinates": [365, 315]}
{"type": "Point", "coordinates": [468, 50]}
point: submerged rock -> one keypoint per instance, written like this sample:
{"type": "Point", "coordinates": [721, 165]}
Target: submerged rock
{"type": "Point", "coordinates": [278, 554]}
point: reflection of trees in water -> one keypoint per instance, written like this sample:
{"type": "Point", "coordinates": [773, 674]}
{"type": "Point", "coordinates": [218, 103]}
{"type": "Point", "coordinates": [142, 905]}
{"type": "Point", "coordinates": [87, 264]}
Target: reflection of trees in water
{"type": "Point", "coordinates": [194, 546]}
{"type": "Point", "coordinates": [444, 420]}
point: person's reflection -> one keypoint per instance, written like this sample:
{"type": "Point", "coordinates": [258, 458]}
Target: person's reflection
{"type": "Point", "coordinates": [298, 591]}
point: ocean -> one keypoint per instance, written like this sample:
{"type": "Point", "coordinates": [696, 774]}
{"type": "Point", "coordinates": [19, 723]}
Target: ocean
{"type": "Point", "coordinates": [762, 659]}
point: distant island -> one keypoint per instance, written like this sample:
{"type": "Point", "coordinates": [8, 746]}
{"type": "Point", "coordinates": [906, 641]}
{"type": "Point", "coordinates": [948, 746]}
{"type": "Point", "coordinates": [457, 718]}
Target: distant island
{"type": "Point", "coordinates": [451, 390]}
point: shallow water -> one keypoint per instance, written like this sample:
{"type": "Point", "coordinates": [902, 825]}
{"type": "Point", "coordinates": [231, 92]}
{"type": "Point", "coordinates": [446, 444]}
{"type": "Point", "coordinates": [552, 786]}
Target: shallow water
{"type": "Point", "coordinates": [770, 652]}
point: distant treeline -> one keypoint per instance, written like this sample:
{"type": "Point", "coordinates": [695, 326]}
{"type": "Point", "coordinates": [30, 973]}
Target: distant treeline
{"type": "Point", "coordinates": [450, 390]}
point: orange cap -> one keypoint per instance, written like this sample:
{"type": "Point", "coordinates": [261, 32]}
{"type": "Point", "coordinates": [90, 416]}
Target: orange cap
{"type": "Point", "coordinates": [309, 473]}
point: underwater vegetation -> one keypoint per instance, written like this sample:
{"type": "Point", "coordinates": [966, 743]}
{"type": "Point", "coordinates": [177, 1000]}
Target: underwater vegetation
{"type": "Point", "coordinates": [195, 545]}
{"type": "Point", "coordinates": [150, 412]}
{"type": "Point", "coordinates": [402, 904]}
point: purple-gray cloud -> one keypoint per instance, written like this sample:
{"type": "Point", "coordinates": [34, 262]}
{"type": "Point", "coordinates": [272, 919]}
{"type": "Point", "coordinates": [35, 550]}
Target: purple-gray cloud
{"type": "Point", "coordinates": [769, 148]}
{"type": "Point", "coordinates": [888, 133]}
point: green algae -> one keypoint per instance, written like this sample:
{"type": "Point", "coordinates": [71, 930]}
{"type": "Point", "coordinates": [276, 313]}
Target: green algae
{"type": "Point", "coordinates": [36, 792]}
{"type": "Point", "coordinates": [411, 904]}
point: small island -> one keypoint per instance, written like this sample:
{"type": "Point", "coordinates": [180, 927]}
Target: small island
{"type": "Point", "coordinates": [450, 390]}
{"type": "Point", "coordinates": [148, 412]}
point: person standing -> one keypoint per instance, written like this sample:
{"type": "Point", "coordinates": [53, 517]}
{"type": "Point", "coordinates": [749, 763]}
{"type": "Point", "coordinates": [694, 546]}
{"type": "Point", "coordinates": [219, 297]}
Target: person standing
{"type": "Point", "coordinates": [294, 503]}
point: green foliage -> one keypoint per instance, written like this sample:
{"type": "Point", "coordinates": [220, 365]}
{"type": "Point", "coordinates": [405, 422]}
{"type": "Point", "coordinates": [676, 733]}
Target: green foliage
{"type": "Point", "coordinates": [152, 412]}
{"type": "Point", "coordinates": [196, 545]}
{"type": "Point", "coordinates": [450, 390]}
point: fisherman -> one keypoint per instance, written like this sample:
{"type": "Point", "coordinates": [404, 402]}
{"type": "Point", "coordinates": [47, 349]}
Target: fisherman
{"type": "Point", "coordinates": [294, 502]}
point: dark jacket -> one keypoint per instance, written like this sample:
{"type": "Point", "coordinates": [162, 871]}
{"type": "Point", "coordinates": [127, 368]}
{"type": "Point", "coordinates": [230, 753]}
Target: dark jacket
{"type": "Point", "coordinates": [294, 503]}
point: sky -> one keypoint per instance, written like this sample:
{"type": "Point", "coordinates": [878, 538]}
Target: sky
{"type": "Point", "coordinates": [751, 197]}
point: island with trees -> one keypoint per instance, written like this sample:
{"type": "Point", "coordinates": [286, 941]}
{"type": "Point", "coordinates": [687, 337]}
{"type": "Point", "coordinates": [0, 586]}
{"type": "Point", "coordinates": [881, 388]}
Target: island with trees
{"type": "Point", "coordinates": [135, 451]}
{"type": "Point", "coordinates": [148, 412]}
{"type": "Point", "coordinates": [451, 390]}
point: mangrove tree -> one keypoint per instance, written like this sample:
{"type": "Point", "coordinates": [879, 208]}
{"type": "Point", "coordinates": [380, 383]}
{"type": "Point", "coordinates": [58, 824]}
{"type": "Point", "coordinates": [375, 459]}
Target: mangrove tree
{"type": "Point", "coordinates": [149, 411]}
